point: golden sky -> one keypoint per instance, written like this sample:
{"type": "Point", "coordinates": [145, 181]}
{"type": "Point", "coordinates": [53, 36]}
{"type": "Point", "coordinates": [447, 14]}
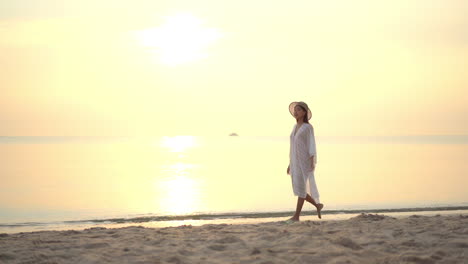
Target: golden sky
{"type": "Point", "coordinates": [204, 67]}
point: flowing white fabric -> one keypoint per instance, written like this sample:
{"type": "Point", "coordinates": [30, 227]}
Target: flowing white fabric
{"type": "Point", "coordinates": [302, 147]}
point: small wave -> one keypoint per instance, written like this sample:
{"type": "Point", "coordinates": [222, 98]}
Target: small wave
{"type": "Point", "coordinates": [256, 215]}
{"type": "Point", "coordinates": [24, 224]}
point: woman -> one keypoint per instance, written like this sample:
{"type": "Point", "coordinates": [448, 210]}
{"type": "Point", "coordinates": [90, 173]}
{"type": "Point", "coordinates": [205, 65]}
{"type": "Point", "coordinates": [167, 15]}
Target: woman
{"type": "Point", "coordinates": [302, 159]}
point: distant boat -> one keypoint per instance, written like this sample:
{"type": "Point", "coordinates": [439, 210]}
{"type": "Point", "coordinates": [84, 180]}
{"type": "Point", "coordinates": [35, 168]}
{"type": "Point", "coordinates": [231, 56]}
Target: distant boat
{"type": "Point", "coordinates": [233, 135]}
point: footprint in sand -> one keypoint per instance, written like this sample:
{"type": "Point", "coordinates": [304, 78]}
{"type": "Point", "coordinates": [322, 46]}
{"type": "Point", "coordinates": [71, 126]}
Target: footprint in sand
{"type": "Point", "coordinates": [95, 245]}
{"type": "Point", "coordinates": [347, 242]}
{"type": "Point", "coordinates": [217, 247]}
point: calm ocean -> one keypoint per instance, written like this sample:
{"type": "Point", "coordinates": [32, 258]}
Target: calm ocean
{"type": "Point", "coordinates": [57, 183]}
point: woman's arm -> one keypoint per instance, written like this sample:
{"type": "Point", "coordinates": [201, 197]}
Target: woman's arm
{"type": "Point", "coordinates": [312, 147]}
{"type": "Point", "coordinates": [311, 142]}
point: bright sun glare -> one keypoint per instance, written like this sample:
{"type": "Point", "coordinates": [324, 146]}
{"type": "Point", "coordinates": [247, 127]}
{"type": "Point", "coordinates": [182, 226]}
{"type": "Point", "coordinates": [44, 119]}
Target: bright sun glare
{"type": "Point", "coordinates": [179, 192]}
{"type": "Point", "coordinates": [178, 143]}
{"type": "Point", "coordinates": [182, 38]}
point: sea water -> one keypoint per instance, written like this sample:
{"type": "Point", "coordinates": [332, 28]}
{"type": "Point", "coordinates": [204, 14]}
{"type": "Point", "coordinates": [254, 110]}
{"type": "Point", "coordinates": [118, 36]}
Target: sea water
{"type": "Point", "coordinates": [56, 183]}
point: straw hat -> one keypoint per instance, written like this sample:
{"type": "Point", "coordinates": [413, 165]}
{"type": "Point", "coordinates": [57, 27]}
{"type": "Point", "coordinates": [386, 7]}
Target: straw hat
{"type": "Point", "coordinates": [293, 104]}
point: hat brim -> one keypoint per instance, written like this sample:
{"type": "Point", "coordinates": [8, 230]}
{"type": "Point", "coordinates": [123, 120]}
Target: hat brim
{"type": "Point", "coordinates": [291, 110]}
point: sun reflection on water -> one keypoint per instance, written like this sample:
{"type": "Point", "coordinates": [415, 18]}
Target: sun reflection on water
{"type": "Point", "coordinates": [178, 143]}
{"type": "Point", "coordinates": [179, 191]}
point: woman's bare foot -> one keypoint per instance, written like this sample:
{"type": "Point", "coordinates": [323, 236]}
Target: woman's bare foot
{"type": "Point", "coordinates": [293, 219]}
{"type": "Point", "coordinates": [319, 210]}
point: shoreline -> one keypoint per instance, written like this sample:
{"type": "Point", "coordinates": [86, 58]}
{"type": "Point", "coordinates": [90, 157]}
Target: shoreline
{"type": "Point", "coordinates": [306, 216]}
{"type": "Point", "coordinates": [366, 238]}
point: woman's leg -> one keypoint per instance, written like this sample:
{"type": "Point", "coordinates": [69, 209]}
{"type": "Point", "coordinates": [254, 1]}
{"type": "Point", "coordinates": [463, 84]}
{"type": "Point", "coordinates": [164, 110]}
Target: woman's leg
{"type": "Point", "coordinates": [311, 200]}
{"type": "Point", "coordinates": [300, 203]}
{"type": "Point", "coordinates": [319, 206]}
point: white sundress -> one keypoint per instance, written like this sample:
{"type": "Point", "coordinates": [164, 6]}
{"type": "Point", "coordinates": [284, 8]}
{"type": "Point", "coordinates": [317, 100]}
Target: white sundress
{"type": "Point", "coordinates": [302, 147]}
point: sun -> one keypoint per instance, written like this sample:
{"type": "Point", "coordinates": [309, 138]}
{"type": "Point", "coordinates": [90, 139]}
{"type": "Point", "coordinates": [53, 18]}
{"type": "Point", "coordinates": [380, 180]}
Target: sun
{"type": "Point", "coordinates": [182, 38]}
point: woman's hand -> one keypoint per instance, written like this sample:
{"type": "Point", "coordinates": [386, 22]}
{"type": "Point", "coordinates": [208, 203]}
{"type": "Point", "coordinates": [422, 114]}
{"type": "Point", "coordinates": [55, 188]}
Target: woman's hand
{"type": "Point", "coordinates": [287, 171]}
{"type": "Point", "coordinates": [312, 163]}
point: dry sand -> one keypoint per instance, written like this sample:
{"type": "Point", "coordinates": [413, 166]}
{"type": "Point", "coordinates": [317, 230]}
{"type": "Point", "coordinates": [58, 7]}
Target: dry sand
{"type": "Point", "coordinates": [362, 239]}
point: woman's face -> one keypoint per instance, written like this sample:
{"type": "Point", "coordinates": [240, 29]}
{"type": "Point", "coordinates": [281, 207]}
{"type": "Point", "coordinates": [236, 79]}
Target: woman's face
{"type": "Point", "coordinates": [298, 112]}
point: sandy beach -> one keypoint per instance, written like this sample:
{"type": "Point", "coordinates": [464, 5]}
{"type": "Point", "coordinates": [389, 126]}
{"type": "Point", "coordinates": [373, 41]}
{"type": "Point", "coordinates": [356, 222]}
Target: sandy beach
{"type": "Point", "coordinates": [366, 238]}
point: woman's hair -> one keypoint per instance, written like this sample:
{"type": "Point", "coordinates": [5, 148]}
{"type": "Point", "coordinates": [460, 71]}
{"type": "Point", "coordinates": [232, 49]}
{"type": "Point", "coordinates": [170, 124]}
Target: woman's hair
{"type": "Point", "coordinates": [306, 118]}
